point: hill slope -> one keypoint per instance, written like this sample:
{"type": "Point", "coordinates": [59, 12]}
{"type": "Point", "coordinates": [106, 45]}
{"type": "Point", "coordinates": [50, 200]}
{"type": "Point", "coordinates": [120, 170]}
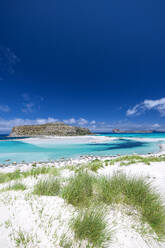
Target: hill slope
{"type": "Point", "coordinates": [57, 128]}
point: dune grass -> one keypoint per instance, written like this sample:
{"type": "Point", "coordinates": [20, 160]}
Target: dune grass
{"type": "Point", "coordinates": [16, 186]}
{"type": "Point", "coordinates": [91, 225]}
{"type": "Point", "coordinates": [23, 239]}
{"type": "Point", "coordinates": [49, 187]}
{"type": "Point", "coordinates": [78, 191]}
{"type": "Point", "coordinates": [122, 189]}
{"type": "Point", "coordinates": [17, 174]}
{"type": "Point", "coordinates": [95, 165]}
{"type": "Point", "coordinates": [6, 177]}
{"type": "Point", "coordinates": [84, 189]}
{"type": "Point", "coordinates": [131, 159]}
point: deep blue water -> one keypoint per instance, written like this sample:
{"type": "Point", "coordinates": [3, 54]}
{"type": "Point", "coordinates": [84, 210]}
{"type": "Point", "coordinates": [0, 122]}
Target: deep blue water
{"type": "Point", "coordinates": [16, 150]}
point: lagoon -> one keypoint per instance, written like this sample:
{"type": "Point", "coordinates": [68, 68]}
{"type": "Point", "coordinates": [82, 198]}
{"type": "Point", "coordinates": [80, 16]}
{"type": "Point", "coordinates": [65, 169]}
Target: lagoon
{"type": "Point", "coordinates": [41, 149]}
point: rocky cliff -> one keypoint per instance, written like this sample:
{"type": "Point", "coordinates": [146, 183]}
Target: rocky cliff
{"type": "Point", "coordinates": [57, 128]}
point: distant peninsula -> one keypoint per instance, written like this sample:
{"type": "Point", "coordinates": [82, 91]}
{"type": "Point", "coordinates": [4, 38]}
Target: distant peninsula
{"type": "Point", "coordinates": [133, 131]}
{"type": "Point", "coordinates": [48, 129]}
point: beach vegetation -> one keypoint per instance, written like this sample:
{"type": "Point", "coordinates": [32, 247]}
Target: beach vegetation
{"type": "Point", "coordinates": [107, 162]}
{"type": "Point", "coordinates": [16, 186]}
{"type": "Point", "coordinates": [17, 174]}
{"type": "Point", "coordinates": [65, 242]}
{"type": "Point", "coordinates": [132, 159]}
{"type": "Point", "coordinates": [91, 225]}
{"type": "Point", "coordinates": [50, 187]}
{"type": "Point", "coordinates": [79, 191]}
{"type": "Point", "coordinates": [23, 239]}
{"type": "Point", "coordinates": [8, 223]}
{"type": "Point", "coordinates": [84, 189]}
{"type": "Point", "coordinates": [121, 189]}
{"type": "Point", "coordinates": [6, 177]}
{"type": "Point", "coordinates": [34, 165]}
{"type": "Point", "coordinates": [95, 165]}
{"type": "Point", "coordinates": [40, 170]}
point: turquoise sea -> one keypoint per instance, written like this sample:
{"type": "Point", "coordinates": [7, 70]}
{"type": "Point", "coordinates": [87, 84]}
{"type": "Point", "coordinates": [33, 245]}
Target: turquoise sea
{"type": "Point", "coordinates": [17, 150]}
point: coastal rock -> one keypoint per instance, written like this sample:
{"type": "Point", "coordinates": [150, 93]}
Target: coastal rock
{"type": "Point", "coordinates": [116, 130]}
{"type": "Point", "coordinates": [49, 129]}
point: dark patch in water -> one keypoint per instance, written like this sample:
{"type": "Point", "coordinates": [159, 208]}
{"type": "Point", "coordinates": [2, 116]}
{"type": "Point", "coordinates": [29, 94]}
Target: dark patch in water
{"type": "Point", "coordinates": [124, 145]}
{"type": "Point", "coordinates": [4, 137]}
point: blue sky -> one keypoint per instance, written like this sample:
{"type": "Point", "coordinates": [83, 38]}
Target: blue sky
{"type": "Point", "coordinates": [90, 63]}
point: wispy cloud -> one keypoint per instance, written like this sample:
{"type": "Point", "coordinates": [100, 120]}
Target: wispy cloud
{"type": "Point", "coordinates": [80, 121]}
{"type": "Point", "coordinates": [4, 108]}
{"type": "Point", "coordinates": [31, 103]}
{"type": "Point", "coordinates": [70, 121]}
{"type": "Point", "coordinates": [158, 105]}
{"type": "Point", "coordinates": [46, 120]}
{"type": "Point", "coordinates": [93, 122]}
{"type": "Point", "coordinates": [8, 60]}
{"type": "Point", "coordinates": [28, 108]}
{"type": "Point", "coordinates": [6, 125]}
{"type": "Point", "coordinates": [156, 125]}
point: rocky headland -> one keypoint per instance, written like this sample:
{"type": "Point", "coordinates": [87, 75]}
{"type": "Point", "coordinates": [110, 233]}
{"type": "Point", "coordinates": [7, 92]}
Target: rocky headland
{"type": "Point", "coordinates": [116, 130]}
{"type": "Point", "coordinates": [48, 129]}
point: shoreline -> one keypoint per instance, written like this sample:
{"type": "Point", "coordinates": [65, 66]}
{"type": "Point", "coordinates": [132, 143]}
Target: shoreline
{"type": "Point", "coordinates": [78, 140]}
{"type": "Point", "coordinates": [84, 159]}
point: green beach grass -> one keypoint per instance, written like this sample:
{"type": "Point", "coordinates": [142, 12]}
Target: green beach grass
{"type": "Point", "coordinates": [91, 225]}
{"type": "Point", "coordinates": [6, 177]}
{"type": "Point", "coordinates": [79, 191]}
{"type": "Point", "coordinates": [50, 187]}
{"type": "Point", "coordinates": [121, 189]}
{"type": "Point", "coordinates": [91, 195]}
{"type": "Point", "coordinates": [132, 159]}
{"type": "Point", "coordinates": [84, 189]}
{"type": "Point", "coordinates": [16, 186]}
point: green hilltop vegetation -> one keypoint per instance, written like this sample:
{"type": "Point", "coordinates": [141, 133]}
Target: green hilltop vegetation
{"type": "Point", "coordinates": [57, 128]}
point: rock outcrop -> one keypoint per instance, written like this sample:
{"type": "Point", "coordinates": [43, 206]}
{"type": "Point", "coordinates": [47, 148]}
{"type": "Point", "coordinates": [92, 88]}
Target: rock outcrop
{"type": "Point", "coordinates": [57, 128]}
{"type": "Point", "coordinates": [131, 131]}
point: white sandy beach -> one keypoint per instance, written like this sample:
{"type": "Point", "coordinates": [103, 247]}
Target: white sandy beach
{"type": "Point", "coordinates": [46, 218]}
{"type": "Point", "coordinates": [67, 139]}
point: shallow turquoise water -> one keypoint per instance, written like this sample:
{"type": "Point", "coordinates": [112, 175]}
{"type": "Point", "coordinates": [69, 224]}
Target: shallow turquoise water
{"type": "Point", "coordinates": [19, 151]}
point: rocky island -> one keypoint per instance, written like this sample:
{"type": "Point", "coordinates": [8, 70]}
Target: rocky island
{"type": "Point", "coordinates": [116, 130]}
{"type": "Point", "coordinates": [48, 129]}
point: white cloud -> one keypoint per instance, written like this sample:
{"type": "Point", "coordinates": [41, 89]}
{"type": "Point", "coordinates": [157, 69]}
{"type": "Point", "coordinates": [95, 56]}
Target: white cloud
{"type": "Point", "coordinates": [82, 122]}
{"type": "Point", "coordinates": [156, 125]}
{"type": "Point", "coordinates": [133, 110]}
{"type": "Point", "coordinates": [45, 120]}
{"type": "Point", "coordinates": [70, 121]}
{"type": "Point", "coordinates": [4, 108]}
{"type": "Point", "coordinates": [6, 125]}
{"type": "Point", "coordinates": [50, 120]}
{"type": "Point", "coordinates": [93, 122]}
{"type": "Point", "coordinates": [158, 105]}
{"type": "Point", "coordinates": [28, 108]}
